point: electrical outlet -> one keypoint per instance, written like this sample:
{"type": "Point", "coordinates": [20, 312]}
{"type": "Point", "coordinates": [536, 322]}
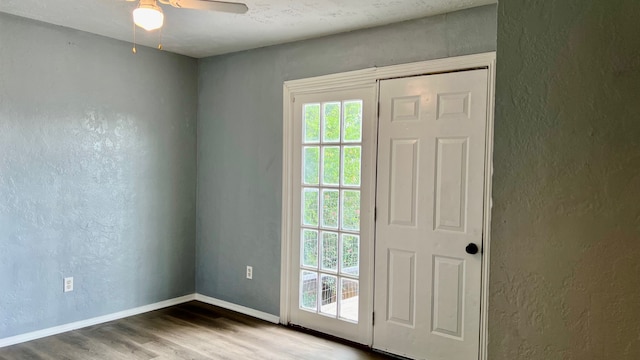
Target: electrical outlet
{"type": "Point", "coordinates": [249, 272]}
{"type": "Point", "coordinates": [68, 284]}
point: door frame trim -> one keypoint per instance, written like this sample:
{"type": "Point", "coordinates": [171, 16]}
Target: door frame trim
{"type": "Point", "coordinates": [371, 76]}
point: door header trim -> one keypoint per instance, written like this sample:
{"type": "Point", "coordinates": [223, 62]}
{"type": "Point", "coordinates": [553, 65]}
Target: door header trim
{"type": "Point", "coordinates": [372, 75]}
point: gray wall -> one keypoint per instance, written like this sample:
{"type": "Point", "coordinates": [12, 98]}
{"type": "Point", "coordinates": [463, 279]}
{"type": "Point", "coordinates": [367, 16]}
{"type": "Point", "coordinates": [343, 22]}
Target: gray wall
{"type": "Point", "coordinates": [565, 261]}
{"type": "Point", "coordinates": [97, 169]}
{"type": "Point", "coordinates": [240, 139]}
{"type": "Point", "coordinates": [97, 165]}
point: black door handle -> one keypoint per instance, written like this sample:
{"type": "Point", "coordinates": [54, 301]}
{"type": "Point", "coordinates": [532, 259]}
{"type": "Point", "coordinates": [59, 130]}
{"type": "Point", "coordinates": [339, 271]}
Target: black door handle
{"type": "Point", "coordinates": [472, 249]}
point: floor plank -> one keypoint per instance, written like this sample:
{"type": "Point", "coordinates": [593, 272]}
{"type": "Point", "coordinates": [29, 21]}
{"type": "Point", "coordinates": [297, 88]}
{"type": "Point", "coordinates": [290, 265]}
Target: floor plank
{"type": "Point", "coordinates": [194, 331]}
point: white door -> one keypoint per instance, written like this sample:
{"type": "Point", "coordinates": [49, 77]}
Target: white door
{"type": "Point", "coordinates": [332, 184]}
{"type": "Point", "coordinates": [431, 162]}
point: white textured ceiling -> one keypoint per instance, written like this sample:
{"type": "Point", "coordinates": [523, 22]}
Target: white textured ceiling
{"type": "Point", "coordinates": [203, 33]}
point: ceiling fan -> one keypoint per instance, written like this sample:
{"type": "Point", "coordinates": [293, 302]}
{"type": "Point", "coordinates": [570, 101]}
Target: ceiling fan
{"type": "Point", "coordinates": [148, 15]}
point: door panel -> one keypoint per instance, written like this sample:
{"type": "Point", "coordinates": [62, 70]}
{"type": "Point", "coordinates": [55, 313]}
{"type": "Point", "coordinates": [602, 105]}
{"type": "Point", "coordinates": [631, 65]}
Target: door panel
{"type": "Point", "coordinates": [431, 160]}
{"type": "Point", "coordinates": [401, 293]}
{"type": "Point", "coordinates": [402, 188]}
{"type": "Point", "coordinates": [451, 184]}
{"type": "Point", "coordinates": [448, 292]}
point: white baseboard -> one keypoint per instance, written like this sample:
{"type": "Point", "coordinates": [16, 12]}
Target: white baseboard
{"type": "Point", "coordinates": [136, 311]}
{"type": "Point", "coordinates": [238, 308]}
{"type": "Point", "coordinates": [93, 321]}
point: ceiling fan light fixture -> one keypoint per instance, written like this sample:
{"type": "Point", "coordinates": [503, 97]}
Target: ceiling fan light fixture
{"type": "Point", "coordinates": [148, 15]}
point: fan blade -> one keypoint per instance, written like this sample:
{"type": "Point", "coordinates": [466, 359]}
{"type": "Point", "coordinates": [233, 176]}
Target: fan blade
{"type": "Point", "coordinates": [211, 5]}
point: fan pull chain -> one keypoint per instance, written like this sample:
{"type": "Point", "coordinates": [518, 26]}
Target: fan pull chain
{"type": "Point", "coordinates": [134, 39]}
{"type": "Point", "coordinates": [160, 43]}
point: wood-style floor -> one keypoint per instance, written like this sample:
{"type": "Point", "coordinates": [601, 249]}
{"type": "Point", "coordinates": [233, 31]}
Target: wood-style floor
{"type": "Point", "coordinates": [189, 331]}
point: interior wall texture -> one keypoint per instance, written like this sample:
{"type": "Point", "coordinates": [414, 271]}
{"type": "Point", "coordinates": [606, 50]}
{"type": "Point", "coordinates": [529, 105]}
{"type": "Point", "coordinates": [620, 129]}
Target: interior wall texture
{"type": "Point", "coordinates": [240, 139]}
{"type": "Point", "coordinates": [565, 268]}
{"type": "Point", "coordinates": [97, 169]}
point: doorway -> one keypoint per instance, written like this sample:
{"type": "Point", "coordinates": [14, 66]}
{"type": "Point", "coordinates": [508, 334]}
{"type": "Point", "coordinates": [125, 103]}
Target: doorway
{"type": "Point", "coordinates": [394, 259]}
{"type": "Point", "coordinates": [431, 160]}
{"type": "Point", "coordinates": [333, 189]}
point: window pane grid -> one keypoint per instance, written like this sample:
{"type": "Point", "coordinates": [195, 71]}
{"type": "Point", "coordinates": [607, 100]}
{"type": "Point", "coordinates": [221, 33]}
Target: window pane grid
{"type": "Point", "coordinates": [342, 275]}
{"type": "Point", "coordinates": [328, 272]}
{"type": "Point", "coordinates": [341, 231]}
{"type": "Point", "coordinates": [335, 187]}
{"type": "Point", "coordinates": [330, 225]}
{"type": "Point", "coordinates": [352, 122]}
{"type": "Point", "coordinates": [313, 170]}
